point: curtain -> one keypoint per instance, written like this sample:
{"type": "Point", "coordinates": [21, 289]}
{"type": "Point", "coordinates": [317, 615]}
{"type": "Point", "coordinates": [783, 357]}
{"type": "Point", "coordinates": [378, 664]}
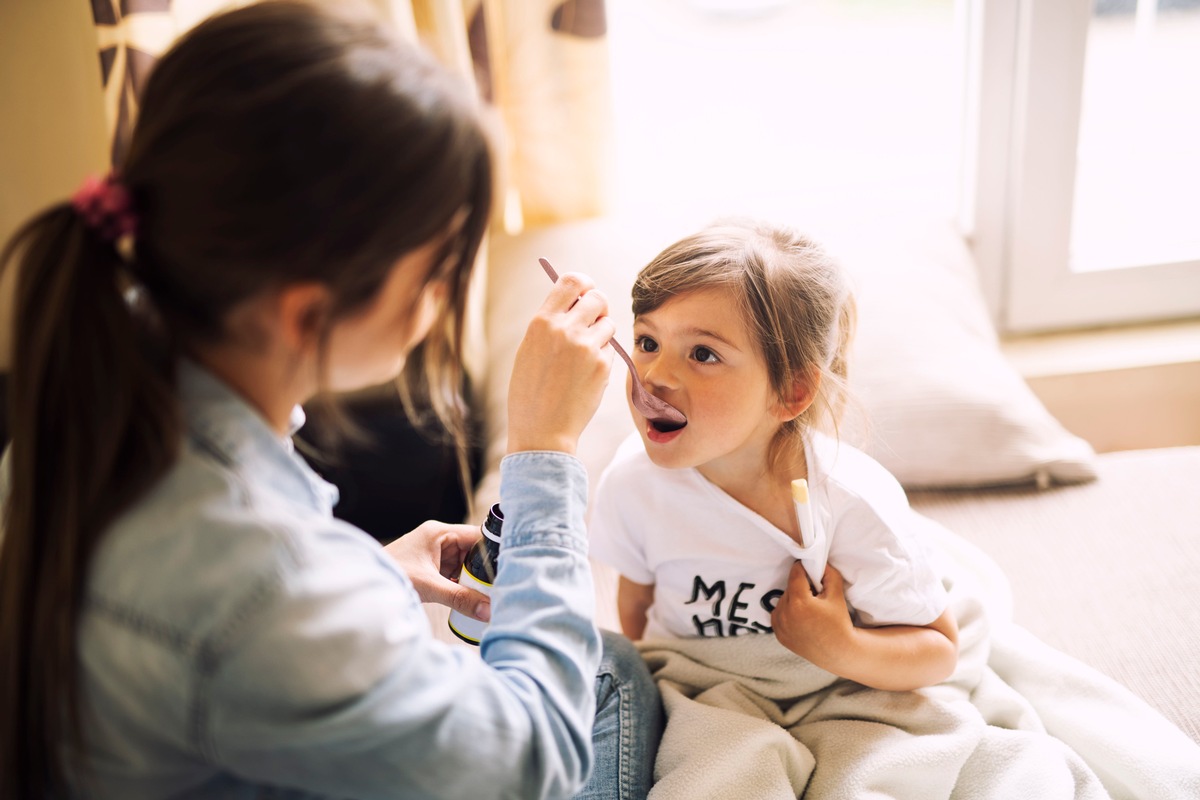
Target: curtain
{"type": "Point", "coordinates": [544, 64]}
{"type": "Point", "coordinates": [130, 35]}
{"type": "Point", "coordinates": [541, 64]}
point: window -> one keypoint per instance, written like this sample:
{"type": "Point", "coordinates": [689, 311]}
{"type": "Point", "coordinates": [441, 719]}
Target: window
{"type": "Point", "coordinates": [785, 109]}
{"type": "Point", "coordinates": [1083, 194]}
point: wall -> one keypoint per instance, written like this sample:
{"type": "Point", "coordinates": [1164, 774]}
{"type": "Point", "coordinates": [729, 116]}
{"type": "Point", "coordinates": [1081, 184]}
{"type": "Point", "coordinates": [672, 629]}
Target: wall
{"type": "Point", "coordinates": [1127, 388]}
{"type": "Point", "coordinates": [52, 127]}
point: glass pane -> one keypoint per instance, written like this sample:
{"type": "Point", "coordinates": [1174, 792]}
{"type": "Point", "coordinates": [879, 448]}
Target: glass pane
{"type": "Point", "coordinates": [775, 106]}
{"type": "Point", "coordinates": [1137, 188]}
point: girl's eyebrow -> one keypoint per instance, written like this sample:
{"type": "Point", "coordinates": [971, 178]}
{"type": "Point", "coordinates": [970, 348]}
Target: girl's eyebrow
{"type": "Point", "coordinates": [712, 335]}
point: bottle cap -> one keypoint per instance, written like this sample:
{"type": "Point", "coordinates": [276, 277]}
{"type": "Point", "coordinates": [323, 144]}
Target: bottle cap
{"type": "Point", "coordinates": [494, 522]}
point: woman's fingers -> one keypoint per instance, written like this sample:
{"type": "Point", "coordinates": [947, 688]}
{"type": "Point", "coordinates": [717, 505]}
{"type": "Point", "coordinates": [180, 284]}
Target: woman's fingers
{"type": "Point", "coordinates": [461, 599]}
{"type": "Point", "coordinates": [583, 302]}
{"type": "Point", "coordinates": [432, 555]}
{"type": "Point", "coordinates": [592, 309]}
{"type": "Point", "coordinates": [567, 291]}
{"type": "Point", "coordinates": [575, 294]}
{"type": "Point", "coordinates": [561, 368]}
{"type": "Point", "coordinates": [456, 542]}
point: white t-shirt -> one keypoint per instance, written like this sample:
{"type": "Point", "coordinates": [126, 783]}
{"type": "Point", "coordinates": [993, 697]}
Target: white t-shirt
{"type": "Point", "coordinates": [719, 568]}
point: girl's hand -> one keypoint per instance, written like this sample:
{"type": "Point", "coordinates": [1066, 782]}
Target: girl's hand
{"type": "Point", "coordinates": [561, 368]}
{"type": "Point", "coordinates": [817, 628]}
{"type": "Point", "coordinates": [896, 658]}
{"type": "Point", "coordinates": [432, 556]}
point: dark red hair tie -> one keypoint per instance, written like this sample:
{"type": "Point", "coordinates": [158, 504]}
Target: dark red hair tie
{"type": "Point", "coordinates": [106, 206]}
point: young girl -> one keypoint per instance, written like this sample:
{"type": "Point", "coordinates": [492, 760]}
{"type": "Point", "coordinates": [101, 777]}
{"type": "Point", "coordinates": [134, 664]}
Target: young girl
{"type": "Point", "coordinates": [180, 614]}
{"type": "Point", "coordinates": [745, 328]}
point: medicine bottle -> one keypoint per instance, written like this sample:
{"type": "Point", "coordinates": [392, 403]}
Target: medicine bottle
{"type": "Point", "coordinates": [479, 573]}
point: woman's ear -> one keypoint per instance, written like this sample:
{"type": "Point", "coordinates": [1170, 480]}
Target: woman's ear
{"type": "Point", "coordinates": [803, 394]}
{"type": "Point", "coordinates": [303, 309]}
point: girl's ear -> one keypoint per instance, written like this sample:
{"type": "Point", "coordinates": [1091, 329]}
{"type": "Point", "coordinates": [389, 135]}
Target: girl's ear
{"type": "Point", "coordinates": [804, 393]}
{"type": "Point", "coordinates": [302, 310]}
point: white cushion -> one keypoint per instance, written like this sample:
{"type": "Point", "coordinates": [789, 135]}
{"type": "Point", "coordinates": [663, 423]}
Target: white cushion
{"type": "Point", "coordinates": [943, 407]}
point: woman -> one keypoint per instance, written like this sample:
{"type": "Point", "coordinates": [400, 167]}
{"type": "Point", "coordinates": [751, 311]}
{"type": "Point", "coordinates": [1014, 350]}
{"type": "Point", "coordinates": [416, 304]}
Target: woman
{"type": "Point", "coordinates": [301, 205]}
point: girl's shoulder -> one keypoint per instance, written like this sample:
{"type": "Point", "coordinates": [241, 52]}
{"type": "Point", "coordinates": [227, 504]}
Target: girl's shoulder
{"type": "Point", "coordinates": [839, 468]}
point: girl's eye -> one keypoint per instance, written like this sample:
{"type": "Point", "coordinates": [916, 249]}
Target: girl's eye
{"type": "Point", "coordinates": [705, 356]}
{"type": "Point", "coordinates": [645, 344]}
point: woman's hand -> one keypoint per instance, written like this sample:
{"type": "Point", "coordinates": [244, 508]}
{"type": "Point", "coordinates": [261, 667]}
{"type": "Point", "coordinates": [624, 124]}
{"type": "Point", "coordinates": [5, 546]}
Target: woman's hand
{"type": "Point", "coordinates": [561, 368]}
{"type": "Point", "coordinates": [432, 556]}
{"type": "Point", "coordinates": [817, 628]}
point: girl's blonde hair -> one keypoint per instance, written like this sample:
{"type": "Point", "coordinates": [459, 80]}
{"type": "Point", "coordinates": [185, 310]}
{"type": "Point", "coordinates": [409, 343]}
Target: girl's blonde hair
{"type": "Point", "coordinates": [796, 300]}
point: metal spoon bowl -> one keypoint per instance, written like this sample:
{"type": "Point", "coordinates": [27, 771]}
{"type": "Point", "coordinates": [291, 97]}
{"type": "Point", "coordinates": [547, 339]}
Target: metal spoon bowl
{"type": "Point", "coordinates": [661, 414]}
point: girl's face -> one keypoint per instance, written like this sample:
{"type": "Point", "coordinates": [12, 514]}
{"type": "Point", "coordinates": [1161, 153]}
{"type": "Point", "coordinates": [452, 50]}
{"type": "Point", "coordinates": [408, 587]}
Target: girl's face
{"type": "Point", "coordinates": [370, 347]}
{"type": "Point", "coordinates": [695, 351]}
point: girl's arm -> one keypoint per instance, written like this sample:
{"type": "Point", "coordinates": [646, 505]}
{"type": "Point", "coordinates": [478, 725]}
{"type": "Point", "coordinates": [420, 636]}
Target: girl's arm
{"type": "Point", "coordinates": [633, 601]}
{"type": "Point", "coordinates": [895, 657]}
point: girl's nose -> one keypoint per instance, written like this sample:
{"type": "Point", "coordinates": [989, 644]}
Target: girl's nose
{"type": "Point", "coordinates": [658, 374]}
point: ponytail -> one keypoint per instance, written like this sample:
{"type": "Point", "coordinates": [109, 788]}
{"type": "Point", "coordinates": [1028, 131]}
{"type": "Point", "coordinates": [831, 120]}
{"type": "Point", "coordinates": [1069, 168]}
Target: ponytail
{"type": "Point", "coordinates": [94, 422]}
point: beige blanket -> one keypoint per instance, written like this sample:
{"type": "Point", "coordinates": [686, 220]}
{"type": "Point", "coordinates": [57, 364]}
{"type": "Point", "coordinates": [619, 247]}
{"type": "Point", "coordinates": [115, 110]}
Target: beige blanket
{"type": "Point", "coordinates": [1016, 720]}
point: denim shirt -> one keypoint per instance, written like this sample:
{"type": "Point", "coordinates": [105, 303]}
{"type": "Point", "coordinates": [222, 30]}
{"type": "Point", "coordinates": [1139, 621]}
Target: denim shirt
{"type": "Point", "coordinates": [238, 641]}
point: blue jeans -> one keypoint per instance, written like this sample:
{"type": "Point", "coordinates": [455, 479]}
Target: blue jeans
{"type": "Point", "coordinates": [629, 724]}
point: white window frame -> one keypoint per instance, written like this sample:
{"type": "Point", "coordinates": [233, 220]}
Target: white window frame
{"type": "Point", "coordinates": [1025, 65]}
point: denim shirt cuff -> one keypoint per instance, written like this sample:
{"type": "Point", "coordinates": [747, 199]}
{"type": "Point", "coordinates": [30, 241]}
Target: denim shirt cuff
{"type": "Point", "coordinates": [544, 498]}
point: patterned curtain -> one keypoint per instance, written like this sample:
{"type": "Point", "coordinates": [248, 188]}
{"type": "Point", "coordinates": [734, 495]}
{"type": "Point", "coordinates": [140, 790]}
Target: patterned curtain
{"type": "Point", "coordinates": [131, 34]}
{"type": "Point", "coordinates": [542, 64]}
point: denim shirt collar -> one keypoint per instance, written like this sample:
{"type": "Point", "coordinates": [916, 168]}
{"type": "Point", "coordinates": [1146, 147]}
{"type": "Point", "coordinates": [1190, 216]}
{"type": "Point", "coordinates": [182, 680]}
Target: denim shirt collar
{"type": "Point", "coordinates": [222, 423]}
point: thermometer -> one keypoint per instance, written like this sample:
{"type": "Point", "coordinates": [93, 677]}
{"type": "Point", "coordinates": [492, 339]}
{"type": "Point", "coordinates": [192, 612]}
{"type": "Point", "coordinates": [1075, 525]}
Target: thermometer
{"type": "Point", "coordinates": [814, 555]}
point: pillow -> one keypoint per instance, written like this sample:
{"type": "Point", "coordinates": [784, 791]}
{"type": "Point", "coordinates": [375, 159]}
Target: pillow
{"type": "Point", "coordinates": [943, 408]}
{"type": "Point", "coordinates": [942, 405]}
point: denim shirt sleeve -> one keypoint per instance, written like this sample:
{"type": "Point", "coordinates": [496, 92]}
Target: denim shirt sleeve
{"type": "Point", "coordinates": [406, 714]}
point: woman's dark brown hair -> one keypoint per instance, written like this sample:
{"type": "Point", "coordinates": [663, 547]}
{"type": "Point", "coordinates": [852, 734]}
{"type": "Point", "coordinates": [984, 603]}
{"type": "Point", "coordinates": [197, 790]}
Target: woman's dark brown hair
{"type": "Point", "coordinates": [276, 143]}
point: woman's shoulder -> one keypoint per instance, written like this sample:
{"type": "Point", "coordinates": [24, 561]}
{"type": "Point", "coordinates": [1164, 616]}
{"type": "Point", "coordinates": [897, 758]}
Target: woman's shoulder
{"type": "Point", "coordinates": [204, 539]}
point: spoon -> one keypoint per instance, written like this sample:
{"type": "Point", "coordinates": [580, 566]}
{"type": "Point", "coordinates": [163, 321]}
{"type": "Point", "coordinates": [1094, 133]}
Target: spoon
{"type": "Point", "coordinates": [661, 414]}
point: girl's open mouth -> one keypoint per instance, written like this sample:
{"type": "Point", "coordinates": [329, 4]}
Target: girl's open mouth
{"type": "Point", "coordinates": [661, 432]}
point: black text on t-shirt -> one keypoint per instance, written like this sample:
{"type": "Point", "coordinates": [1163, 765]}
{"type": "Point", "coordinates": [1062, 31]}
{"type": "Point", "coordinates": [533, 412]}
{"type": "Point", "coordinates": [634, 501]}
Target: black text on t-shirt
{"type": "Point", "coordinates": [731, 623]}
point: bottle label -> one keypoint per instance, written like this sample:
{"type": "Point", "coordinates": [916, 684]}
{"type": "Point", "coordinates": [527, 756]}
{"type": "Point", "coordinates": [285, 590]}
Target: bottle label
{"type": "Point", "coordinates": [485, 558]}
{"type": "Point", "coordinates": [469, 629]}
